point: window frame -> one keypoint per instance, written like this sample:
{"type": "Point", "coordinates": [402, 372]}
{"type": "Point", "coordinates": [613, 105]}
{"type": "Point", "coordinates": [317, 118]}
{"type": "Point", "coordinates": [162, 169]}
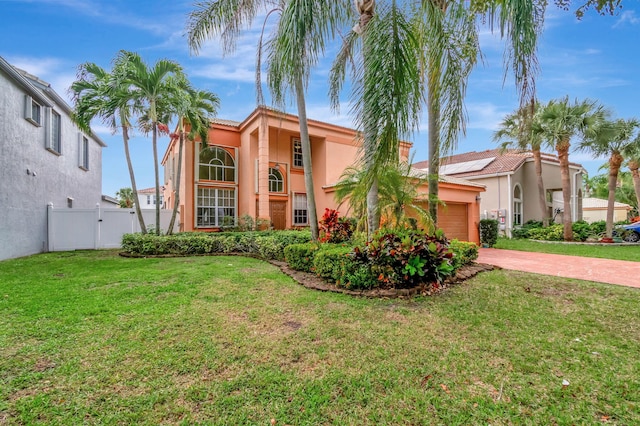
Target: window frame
{"type": "Point", "coordinates": [29, 109]}
{"type": "Point", "coordinates": [54, 132]}
{"type": "Point", "coordinates": [518, 219]}
{"type": "Point", "coordinates": [276, 185]}
{"type": "Point", "coordinates": [296, 154]}
{"type": "Point", "coordinates": [214, 169]}
{"type": "Point", "coordinates": [229, 198]}
{"type": "Point", "coordinates": [295, 213]}
{"type": "Point", "coordinates": [83, 152]}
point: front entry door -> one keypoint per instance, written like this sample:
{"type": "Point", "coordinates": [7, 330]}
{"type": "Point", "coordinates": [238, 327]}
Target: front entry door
{"type": "Point", "coordinates": [278, 214]}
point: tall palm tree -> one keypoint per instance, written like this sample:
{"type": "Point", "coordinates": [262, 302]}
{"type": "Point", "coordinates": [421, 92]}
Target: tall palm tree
{"type": "Point", "coordinates": [100, 94]}
{"type": "Point", "coordinates": [611, 138]}
{"type": "Point", "coordinates": [195, 110]}
{"type": "Point", "coordinates": [125, 198]}
{"type": "Point", "coordinates": [632, 153]}
{"type": "Point", "coordinates": [293, 49]}
{"type": "Point", "coordinates": [149, 87]}
{"type": "Point", "coordinates": [516, 131]}
{"type": "Point", "coordinates": [559, 121]}
{"type": "Point", "coordinates": [384, 53]}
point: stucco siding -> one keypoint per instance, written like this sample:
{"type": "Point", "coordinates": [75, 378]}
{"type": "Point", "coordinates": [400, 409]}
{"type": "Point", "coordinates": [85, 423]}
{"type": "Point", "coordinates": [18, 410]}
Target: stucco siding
{"type": "Point", "coordinates": [32, 177]}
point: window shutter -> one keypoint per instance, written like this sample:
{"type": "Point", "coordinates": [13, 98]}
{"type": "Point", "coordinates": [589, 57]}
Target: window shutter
{"type": "Point", "coordinates": [27, 107]}
{"type": "Point", "coordinates": [80, 154]}
{"type": "Point", "coordinates": [48, 133]}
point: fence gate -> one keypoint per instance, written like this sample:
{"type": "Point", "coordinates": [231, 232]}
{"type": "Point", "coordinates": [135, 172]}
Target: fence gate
{"type": "Point", "coordinates": [98, 228]}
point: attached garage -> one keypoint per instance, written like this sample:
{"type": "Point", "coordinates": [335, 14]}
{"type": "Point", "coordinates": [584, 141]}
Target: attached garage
{"type": "Point", "coordinates": [453, 220]}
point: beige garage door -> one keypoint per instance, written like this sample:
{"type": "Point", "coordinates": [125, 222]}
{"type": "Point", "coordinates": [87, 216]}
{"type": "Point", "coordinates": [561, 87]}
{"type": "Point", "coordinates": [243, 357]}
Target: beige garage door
{"type": "Point", "coordinates": [453, 219]}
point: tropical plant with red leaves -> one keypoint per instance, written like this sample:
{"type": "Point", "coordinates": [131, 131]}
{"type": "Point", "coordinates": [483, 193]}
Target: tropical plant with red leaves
{"type": "Point", "coordinates": [334, 229]}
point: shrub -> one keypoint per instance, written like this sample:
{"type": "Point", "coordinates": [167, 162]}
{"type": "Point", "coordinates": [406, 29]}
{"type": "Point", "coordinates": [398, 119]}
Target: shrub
{"type": "Point", "coordinates": [300, 256]}
{"type": "Point", "coordinates": [581, 230]}
{"type": "Point", "coordinates": [464, 252]}
{"type": "Point", "coordinates": [334, 229]}
{"type": "Point", "coordinates": [406, 258]}
{"type": "Point", "coordinates": [333, 263]}
{"type": "Point", "coordinates": [488, 232]}
{"type": "Point", "coordinates": [553, 232]}
{"type": "Point", "coordinates": [523, 231]}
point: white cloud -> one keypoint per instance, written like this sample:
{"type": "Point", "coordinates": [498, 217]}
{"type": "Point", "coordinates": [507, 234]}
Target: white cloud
{"type": "Point", "coordinates": [628, 16]}
{"type": "Point", "coordinates": [485, 116]}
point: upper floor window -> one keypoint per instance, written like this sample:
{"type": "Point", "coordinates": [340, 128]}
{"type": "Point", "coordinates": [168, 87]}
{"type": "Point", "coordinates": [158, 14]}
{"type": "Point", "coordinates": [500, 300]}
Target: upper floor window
{"type": "Point", "coordinates": [300, 210]}
{"type": "Point", "coordinates": [297, 153]}
{"type": "Point", "coordinates": [54, 139]}
{"type": "Point", "coordinates": [148, 200]}
{"type": "Point", "coordinates": [83, 152]}
{"type": "Point", "coordinates": [217, 164]}
{"type": "Point", "coordinates": [276, 181]}
{"type": "Point", "coordinates": [33, 111]}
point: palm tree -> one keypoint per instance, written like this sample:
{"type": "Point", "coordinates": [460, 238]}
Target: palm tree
{"type": "Point", "coordinates": [387, 91]}
{"type": "Point", "coordinates": [516, 130]}
{"type": "Point", "coordinates": [611, 138]}
{"type": "Point", "coordinates": [399, 193]}
{"type": "Point", "coordinates": [298, 39]}
{"type": "Point", "coordinates": [150, 87]}
{"type": "Point", "coordinates": [195, 110]}
{"type": "Point", "coordinates": [125, 198]}
{"type": "Point", "coordinates": [632, 153]}
{"type": "Point", "coordinates": [100, 94]}
{"type": "Point", "coordinates": [558, 122]}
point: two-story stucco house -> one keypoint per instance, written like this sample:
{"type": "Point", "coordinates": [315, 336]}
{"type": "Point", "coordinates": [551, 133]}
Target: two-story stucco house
{"type": "Point", "coordinates": [44, 159]}
{"type": "Point", "coordinates": [254, 168]}
{"type": "Point", "coordinates": [511, 194]}
{"type": "Point", "coordinates": [147, 198]}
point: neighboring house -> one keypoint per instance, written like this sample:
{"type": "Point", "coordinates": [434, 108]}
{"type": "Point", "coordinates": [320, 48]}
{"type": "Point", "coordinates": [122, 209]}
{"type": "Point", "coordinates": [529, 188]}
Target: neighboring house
{"type": "Point", "coordinates": [147, 198]}
{"type": "Point", "coordinates": [254, 168]}
{"type": "Point", "coordinates": [511, 194]}
{"type": "Point", "coordinates": [44, 160]}
{"type": "Point", "coordinates": [595, 209]}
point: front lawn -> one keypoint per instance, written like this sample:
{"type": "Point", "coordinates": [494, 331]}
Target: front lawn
{"type": "Point", "coordinates": [89, 337]}
{"type": "Point", "coordinates": [605, 251]}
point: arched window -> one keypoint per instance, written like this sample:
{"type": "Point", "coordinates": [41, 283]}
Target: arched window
{"type": "Point", "coordinates": [517, 205]}
{"type": "Point", "coordinates": [276, 181]}
{"type": "Point", "coordinates": [217, 164]}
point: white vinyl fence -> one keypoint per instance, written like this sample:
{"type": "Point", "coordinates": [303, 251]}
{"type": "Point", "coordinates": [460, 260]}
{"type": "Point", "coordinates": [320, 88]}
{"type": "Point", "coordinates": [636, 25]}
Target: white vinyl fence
{"type": "Point", "coordinates": [98, 228]}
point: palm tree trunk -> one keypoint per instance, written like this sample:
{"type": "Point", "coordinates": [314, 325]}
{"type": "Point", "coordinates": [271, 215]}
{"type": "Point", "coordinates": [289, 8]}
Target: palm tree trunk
{"type": "Point", "coordinates": [614, 167]}
{"type": "Point", "coordinates": [433, 112]}
{"type": "Point", "coordinates": [542, 199]}
{"type": "Point", "coordinates": [563, 156]}
{"type": "Point", "coordinates": [635, 173]}
{"type": "Point", "coordinates": [157, 174]}
{"type": "Point", "coordinates": [134, 188]}
{"type": "Point", "coordinates": [306, 158]}
{"type": "Point", "coordinates": [176, 201]}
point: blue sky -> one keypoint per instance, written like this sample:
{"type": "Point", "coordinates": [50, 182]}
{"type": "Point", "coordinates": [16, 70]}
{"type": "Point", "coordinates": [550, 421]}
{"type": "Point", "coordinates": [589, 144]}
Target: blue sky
{"type": "Point", "coordinates": [597, 57]}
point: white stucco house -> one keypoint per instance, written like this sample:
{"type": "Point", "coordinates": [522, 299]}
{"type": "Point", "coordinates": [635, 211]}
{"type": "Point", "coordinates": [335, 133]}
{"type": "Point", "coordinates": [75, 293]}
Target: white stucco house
{"type": "Point", "coordinates": [147, 198]}
{"type": "Point", "coordinates": [45, 160]}
{"type": "Point", "coordinates": [595, 209]}
{"type": "Point", "coordinates": [511, 194]}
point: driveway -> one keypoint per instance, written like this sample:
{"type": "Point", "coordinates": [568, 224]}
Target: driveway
{"type": "Point", "coordinates": [608, 271]}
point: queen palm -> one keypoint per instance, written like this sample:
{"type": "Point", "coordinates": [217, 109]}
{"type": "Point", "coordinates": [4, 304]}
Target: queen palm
{"type": "Point", "coordinates": [632, 154]}
{"type": "Point", "coordinates": [100, 94]}
{"type": "Point", "coordinates": [611, 138]}
{"type": "Point", "coordinates": [516, 131]}
{"type": "Point", "coordinates": [196, 108]}
{"type": "Point", "coordinates": [149, 87]}
{"type": "Point", "coordinates": [559, 121]}
{"type": "Point", "coordinates": [293, 48]}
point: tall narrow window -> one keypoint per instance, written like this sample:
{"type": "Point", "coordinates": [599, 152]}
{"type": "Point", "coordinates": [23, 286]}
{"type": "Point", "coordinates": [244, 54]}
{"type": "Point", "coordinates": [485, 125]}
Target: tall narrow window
{"type": "Point", "coordinates": [83, 152]}
{"type": "Point", "coordinates": [517, 205]}
{"type": "Point", "coordinates": [297, 153]}
{"type": "Point", "coordinates": [300, 211]}
{"type": "Point", "coordinates": [217, 164]}
{"type": "Point", "coordinates": [276, 181]}
{"type": "Point", "coordinates": [33, 111]}
{"type": "Point", "coordinates": [55, 134]}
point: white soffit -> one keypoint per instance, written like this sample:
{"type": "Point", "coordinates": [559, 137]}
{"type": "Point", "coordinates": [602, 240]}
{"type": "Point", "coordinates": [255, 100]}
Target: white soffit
{"type": "Point", "coordinates": [466, 166]}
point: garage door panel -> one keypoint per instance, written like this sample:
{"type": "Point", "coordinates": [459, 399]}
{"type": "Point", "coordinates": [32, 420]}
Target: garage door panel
{"type": "Point", "coordinates": [453, 220]}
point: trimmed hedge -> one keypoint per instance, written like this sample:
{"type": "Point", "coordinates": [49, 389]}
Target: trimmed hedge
{"type": "Point", "coordinates": [268, 244]}
{"type": "Point", "coordinates": [464, 252]}
{"type": "Point", "coordinates": [332, 263]}
{"type": "Point", "coordinates": [300, 256]}
{"type": "Point", "coordinates": [489, 232]}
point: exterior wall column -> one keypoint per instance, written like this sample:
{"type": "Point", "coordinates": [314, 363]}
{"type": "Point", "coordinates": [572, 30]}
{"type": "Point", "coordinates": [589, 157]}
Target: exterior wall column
{"type": "Point", "coordinates": [263, 167]}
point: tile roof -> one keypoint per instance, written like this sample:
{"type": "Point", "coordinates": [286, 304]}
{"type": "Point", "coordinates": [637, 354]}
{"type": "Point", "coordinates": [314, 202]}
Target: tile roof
{"type": "Point", "coordinates": [598, 203]}
{"type": "Point", "coordinates": [503, 162]}
{"type": "Point", "coordinates": [151, 190]}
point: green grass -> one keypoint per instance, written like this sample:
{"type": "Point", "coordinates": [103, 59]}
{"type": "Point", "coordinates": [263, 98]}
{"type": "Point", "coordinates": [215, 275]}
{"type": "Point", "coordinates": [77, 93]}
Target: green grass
{"type": "Point", "coordinates": [92, 338]}
{"type": "Point", "coordinates": [615, 251]}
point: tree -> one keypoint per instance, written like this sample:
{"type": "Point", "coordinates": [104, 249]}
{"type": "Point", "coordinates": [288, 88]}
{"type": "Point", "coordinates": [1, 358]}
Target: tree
{"type": "Point", "coordinates": [125, 197]}
{"type": "Point", "coordinates": [195, 110]}
{"type": "Point", "coordinates": [559, 121]}
{"type": "Point", "coordinates": [150, 86]}
{"type": "Point", "coordinates": [399, 193]}
{"type": "Point", "coordinates": [293, 49]}
{"type": "Point", "coordinates": [611, 138]}
{"type": "Point", "coordinates": [100, 94]}
{"type": "Point", "coordinates": [632, 154]}
{"type": "Point", "coordinates": [516, 130]}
